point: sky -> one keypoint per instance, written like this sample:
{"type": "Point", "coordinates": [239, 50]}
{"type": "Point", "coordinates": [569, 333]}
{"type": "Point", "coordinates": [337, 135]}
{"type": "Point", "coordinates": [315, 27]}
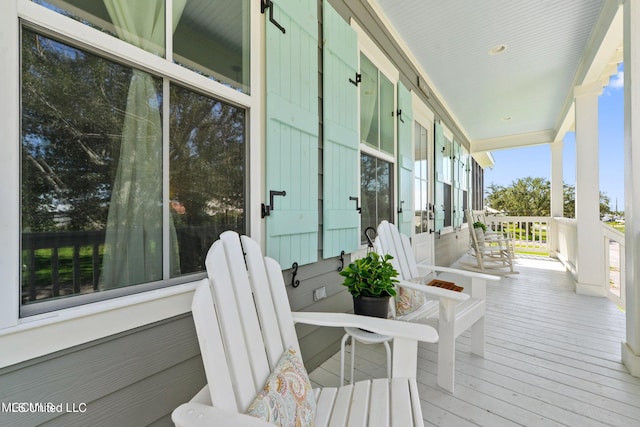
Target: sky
{"type": "Point", "coordinates": [511, 165]}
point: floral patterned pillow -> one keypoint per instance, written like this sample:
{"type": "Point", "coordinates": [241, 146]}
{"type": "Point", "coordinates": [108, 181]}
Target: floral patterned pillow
{"type": "Point", "coordinates": [286, 399]}
{"type": "Point", "coordinates": [408, 300]}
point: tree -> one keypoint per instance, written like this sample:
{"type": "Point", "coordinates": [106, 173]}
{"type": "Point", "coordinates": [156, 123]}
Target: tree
{"type": "Point", "coordinates": [532, 197]}
{"type": "Point", "coordinates": [524, 197]}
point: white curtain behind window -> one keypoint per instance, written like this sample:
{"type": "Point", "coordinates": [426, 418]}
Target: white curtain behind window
{"type": "Point", "coordinates": [369, 105]}
{"type": "Point", "coordinates": [133, 242]}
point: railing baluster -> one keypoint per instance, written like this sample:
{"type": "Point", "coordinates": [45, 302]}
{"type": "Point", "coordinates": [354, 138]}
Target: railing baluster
{"type": "Point", "coordinates": [55, 272]}
{"type": "Point", "coordinates": [31, 266]}
{"type": "Point", "coordinates": [76, 269]}
{"type": "Point", "coordinates": [96, 265]}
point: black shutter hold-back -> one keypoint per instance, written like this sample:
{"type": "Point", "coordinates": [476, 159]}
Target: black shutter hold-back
{"type": "Point", "coordinates": [269, 4]}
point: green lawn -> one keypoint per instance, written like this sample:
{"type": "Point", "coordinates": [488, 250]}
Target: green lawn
{"type": "Point", "coordinates": [43, 265]}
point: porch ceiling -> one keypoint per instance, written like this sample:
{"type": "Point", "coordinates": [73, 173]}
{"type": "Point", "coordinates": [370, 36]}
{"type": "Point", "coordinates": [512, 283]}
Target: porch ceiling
{"type": "Point", "coordinates": [524, 95]}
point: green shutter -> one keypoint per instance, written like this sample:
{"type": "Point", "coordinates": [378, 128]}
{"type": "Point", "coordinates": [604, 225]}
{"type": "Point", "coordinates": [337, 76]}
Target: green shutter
{"type": "Point", "coordinates": [439, 176]}
{"type": "Point", "coordinates": [340, 135]}
{"type": "Point", "coordinates": [292, 132]}
{"type": "Point", "coordinates": [405, 161]}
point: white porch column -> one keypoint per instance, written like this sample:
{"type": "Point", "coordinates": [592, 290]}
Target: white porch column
{"type": "Point", "coordinates": [631, 348]}
{"type": "Point", "coordinates": [590, 260]}
{"type": "Point", "coordinates": [557, 192]}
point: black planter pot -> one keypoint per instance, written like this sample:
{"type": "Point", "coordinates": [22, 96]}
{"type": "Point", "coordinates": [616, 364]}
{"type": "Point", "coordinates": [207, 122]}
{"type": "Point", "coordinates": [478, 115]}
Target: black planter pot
{"type": "Point", "coordinates": [371, 306]}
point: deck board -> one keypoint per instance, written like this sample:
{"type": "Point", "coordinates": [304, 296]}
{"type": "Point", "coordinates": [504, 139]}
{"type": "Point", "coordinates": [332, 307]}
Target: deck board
{"type": "Point", "coordinates": [552, 358]}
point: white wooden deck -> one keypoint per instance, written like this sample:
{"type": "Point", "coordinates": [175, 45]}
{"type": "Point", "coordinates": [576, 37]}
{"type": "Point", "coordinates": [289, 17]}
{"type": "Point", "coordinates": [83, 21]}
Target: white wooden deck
{"type": "Point", "coordinates": [553, 358]}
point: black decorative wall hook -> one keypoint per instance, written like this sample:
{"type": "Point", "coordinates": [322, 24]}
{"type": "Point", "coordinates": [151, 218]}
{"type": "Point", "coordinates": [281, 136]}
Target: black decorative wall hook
{"type": "Point", "coordinates": [294, 283]}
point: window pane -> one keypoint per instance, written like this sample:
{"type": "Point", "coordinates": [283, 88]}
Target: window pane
{"type": "Point", "coordinates": [447, 205]}
{"type": "Point", "coordinates": [384, 196]}
{"type": "Point", "coordinates": [207, 175]}
{"type": "Point", "coordinates": [465, 205]}
{"type": "Point", "coordinates": [368, 102]}
{"type": "Point", "coordinates": [213, 38]}
{"type": "Point", "coordinates": [141, 23]}
{"type": "Point", "coordinates": [418, 203]}
{"type": "Point", "coordinates": [447, 167]}
{"type": "Point", "coordinates": [421, 180]}
{"type": "Point", "coordinates": [376, 192]}
{"type": "Point", "coordinates": [91, 206]}
{"type": "Point", "coordinates": [386, 115]}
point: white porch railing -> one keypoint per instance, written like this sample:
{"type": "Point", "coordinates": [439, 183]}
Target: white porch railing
{"type": "Point", "coordinates": [614, 264]}
{"type": "Point", "coordinates": [559, 237]}
{"type": "Point", "coordinates": [530, 234]}
{"type": "Point", "coordinates": [567, 242]}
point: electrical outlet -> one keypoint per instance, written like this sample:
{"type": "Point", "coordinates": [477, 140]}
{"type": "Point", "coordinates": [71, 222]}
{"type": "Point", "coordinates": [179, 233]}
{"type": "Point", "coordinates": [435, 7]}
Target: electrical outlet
{"type": "Point", "coordinates": [319, 293]}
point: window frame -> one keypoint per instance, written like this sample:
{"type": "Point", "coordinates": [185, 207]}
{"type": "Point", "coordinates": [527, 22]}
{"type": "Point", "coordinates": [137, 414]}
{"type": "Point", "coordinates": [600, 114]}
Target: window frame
{"type": "Point", "coordinates": [425, 181]}
{"type": "Point", "coordinates": [44, 333]}
{"type": "Point", "coordinates": [368, 48]}
{"type": "Point", "coordinates": [424, 117]}
{"type": "Point", "coordinates": [448, 136]}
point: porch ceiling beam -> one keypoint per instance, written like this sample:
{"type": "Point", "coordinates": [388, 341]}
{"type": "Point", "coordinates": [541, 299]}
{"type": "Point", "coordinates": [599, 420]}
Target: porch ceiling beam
{"type": "Point", "coordinates": [484, 159]}
{"type": "Point", "coordinates": [513, 141]}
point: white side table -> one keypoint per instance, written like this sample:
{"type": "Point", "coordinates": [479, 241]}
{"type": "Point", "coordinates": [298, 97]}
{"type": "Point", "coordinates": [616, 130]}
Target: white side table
{"type": "Point", "coordinates": [364, 337]}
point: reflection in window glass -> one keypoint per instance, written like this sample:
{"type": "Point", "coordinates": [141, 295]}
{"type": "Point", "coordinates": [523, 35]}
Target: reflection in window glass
{"type": "Point", "coordinates": [84, 201]}
{"type": "Point", "coordinates": [369, 102]}
{"type": "Point", "coordinates": [213, 38]}
{"type": "Point", "coordinates": [93, 216]}
{"type": "Point", "coordinates": [206, 188]}
{"type": "Point", "coordinates": [376, 192]}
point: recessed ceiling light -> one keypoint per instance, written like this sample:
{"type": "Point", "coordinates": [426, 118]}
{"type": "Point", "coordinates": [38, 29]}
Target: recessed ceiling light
{"type": "Point", "coordinates": [498, 49]}
{"type": "Point", "coordinates": [506, 118]}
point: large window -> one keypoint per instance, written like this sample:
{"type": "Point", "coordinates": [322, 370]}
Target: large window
{"type": "Point", "coordinates": [465, 167]}
{"type": "Point", "coordinates": [376, 184]}
{"type": "Point", "coordinates": [377, 130]}
{"type": "Point", "coordinates": [447, 170]}
{"type": "Point", "coordinates": [421, 181]}
{"type": "Point", "coordinates": [127, 176]}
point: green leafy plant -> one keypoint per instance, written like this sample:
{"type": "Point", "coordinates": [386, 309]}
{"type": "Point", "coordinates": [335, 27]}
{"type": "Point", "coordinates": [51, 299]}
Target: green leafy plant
{"type": "Point", "coordinates": [371, 276]}
{"type": "Point", "coordinates": [479, 224]}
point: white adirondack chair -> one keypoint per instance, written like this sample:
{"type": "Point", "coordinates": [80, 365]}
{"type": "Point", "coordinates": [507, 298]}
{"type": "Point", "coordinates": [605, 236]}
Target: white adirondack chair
{"type": "Point", "coordinates": [493, 252]}
{"type": "Point", "coordinates": [244, 325]}
{"type": "Point", "coordinates": [456, 311]}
